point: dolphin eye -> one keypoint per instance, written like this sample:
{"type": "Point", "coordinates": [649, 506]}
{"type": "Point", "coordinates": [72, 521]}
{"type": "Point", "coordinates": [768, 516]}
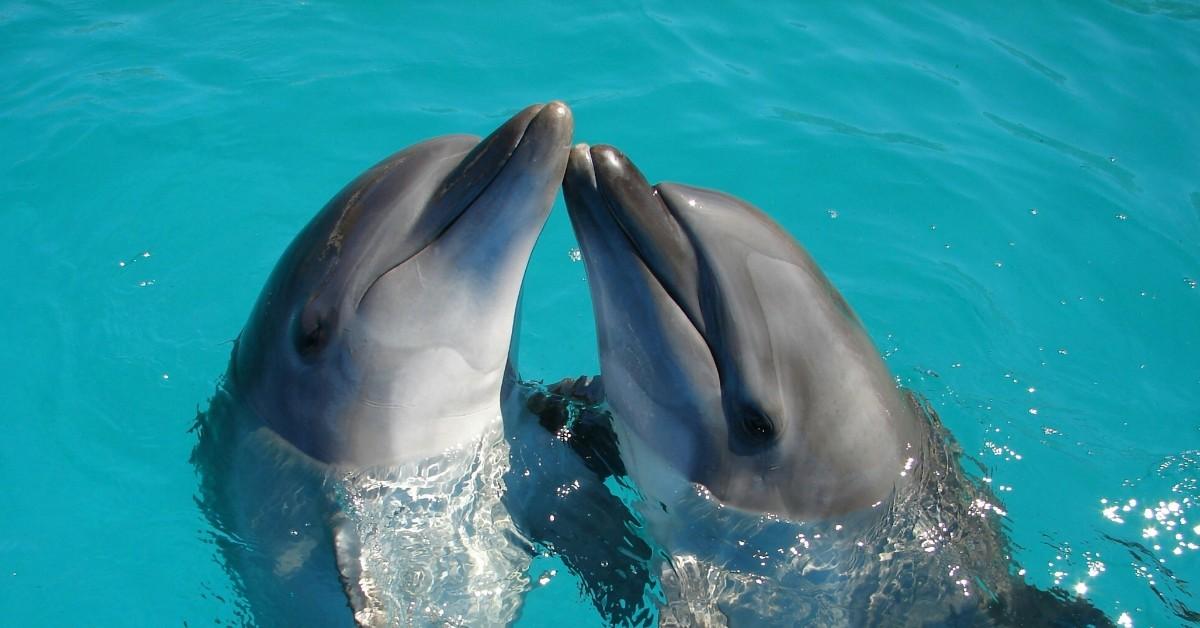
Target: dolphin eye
{"type": "Point", "coordinates": [757, 427]}
{"type": "Point", "coordinates": [311, 341]}
{"type": "Point", "coordinates": [312, 333]}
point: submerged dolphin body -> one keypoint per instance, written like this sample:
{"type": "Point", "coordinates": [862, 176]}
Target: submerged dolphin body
{"type": "Point", "coordinates": [786, 476]}
{"type": "Point", "coordinates": [355, 450]}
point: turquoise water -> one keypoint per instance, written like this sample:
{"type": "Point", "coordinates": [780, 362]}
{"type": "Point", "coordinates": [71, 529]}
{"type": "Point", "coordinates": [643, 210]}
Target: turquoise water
{"type": "Point", "coordinates": [1008, 195]}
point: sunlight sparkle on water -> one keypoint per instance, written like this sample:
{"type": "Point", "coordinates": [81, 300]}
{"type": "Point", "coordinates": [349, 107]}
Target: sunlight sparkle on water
{"type": "Point", "coordinates": [1163, 529]}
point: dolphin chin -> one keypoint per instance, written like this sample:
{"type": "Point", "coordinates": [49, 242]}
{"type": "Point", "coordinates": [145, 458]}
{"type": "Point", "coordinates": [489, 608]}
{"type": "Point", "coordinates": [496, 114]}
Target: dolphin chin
{"type": "Point", "coordinates": [358, 430]}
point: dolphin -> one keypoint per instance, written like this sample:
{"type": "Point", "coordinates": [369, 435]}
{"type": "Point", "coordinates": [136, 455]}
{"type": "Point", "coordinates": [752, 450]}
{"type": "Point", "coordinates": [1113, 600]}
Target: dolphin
{"type": "Point", "coordinates": [353, 458]}
{"type": "Point", "coordinates": [785, 475]}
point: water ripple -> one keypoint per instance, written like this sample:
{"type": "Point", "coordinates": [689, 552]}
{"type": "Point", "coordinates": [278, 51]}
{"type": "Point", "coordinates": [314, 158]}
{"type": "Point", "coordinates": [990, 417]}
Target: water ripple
{"type": "Point", "coordinates": [1177, 9]}
{"type": "Point", "coordinates": [1097, 162]}
{"type": "Point", "coordinates": [836, 126]}
{"type": "Point", "coordinates": [208, 133]}
{"type": "Point", "coordinates": [1031, 62]}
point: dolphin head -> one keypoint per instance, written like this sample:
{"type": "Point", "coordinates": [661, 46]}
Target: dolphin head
{"type": "Point", "coordinates": [727, 355]}
{"type": "Point", "coordinates": [383, 333]}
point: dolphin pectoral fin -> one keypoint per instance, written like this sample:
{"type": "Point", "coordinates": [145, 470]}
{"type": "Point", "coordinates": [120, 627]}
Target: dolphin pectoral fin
{"type": "Point", "coordinates": [360, 589]}
{"type": "Point", "coordinates": [581, 521]}
{"type": "Point", "coordinates": [293, 558]}
{"type": "Point", "coordinates": [571, 409]}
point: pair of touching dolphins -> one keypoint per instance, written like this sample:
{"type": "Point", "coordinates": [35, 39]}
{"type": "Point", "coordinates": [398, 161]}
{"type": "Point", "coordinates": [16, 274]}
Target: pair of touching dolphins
{"type": "Point", "coordinates": [747, 459]}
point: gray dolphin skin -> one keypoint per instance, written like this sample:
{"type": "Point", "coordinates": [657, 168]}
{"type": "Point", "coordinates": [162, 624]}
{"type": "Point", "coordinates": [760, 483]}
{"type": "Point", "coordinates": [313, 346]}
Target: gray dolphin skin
{"type": "Point", "coordinates": [383, 333]}
{"type": "Point", "coordinates": [789, 407]}
{"type": "Point", "coordinates": [786, 478]}
{"type": "Point", "coordinates": [358, 430]}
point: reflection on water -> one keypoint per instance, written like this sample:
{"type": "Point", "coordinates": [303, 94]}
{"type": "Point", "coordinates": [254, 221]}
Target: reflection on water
{"type": "Point", "coordinates": [436, 543]}
{"type": "Point", "coordinates": [424, 542]}
{"type": "Point", "coordinates": [270, 511]}
{"type": "Point", "coordinates": [1158, 528]}
{"type": "Point", "coordinates": [446, 541]}
{"type": "Point", "coordinates": [451, 540]}
{"type": "Point", "coordinates": [936, 553]}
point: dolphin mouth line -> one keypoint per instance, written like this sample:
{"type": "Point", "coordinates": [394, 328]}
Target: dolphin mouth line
{"type": "Point", "coordinates": [643, 259]}
{"type": "Point", "coordinates": [462, 210]}
{"type": "Point", "coordinates": [637, 249]}
{"type": "Point", "coordinates": [638, 253]}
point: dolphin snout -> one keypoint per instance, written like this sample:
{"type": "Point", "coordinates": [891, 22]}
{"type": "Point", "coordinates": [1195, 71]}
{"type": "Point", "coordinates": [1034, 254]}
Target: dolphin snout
{"type": "Point", "coordinates": [552, 126]}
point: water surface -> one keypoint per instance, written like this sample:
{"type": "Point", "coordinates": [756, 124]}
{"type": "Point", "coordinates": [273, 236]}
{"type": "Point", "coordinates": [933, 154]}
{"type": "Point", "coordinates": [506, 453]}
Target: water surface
{"type": "Point", "coordinates": [1008, 195]}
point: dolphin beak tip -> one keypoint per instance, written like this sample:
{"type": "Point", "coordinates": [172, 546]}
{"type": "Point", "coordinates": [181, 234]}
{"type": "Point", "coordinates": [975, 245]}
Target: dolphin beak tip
{"type": "Point", "coordinates": [554, 122]}
{"type": "Point", "coordinates": [559, 114]}
{"type": "Point", "coordinates": [609, 161]}
{"type": "Point", "coordinates": [581, 153]}
{"type": "Point", "coordinates": [579, 167]}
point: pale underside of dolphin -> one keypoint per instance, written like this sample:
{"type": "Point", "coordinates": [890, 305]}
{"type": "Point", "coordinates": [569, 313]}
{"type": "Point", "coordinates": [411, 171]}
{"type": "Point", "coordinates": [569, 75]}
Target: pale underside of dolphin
{"type": "Point", "coordinates": [785, 475]}
{"type": "Point", "coordinates": [354, 460]}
